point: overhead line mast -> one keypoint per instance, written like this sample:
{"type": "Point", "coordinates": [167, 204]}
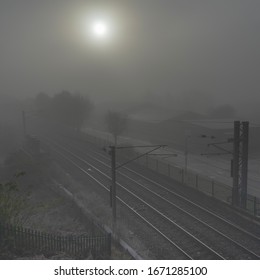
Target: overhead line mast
{"type": "Point", "coordinates": [114, 167]}
{"type": "Point", "coordinates": [239, 161]}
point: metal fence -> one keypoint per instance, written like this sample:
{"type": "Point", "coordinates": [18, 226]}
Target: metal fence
{"type": "Point", "coordinates": [202, 183]}
{"type": "Point", "coordinates": [24, 239]}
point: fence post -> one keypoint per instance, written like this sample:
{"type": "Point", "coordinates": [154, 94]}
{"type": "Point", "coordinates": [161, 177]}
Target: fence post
{"type": "Point", "coordinates": [20, 237]}
{"type": "Point", "coordinates": [15, 236]}
{"type": "Point", "coordinates": [39, 244]}
{"type": "Point", "coordinates": [109, 244]}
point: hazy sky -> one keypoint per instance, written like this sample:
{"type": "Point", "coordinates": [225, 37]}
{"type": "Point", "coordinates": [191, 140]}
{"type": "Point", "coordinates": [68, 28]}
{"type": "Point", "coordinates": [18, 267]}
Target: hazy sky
{"type": "Point", "coordinates": [162, 46]}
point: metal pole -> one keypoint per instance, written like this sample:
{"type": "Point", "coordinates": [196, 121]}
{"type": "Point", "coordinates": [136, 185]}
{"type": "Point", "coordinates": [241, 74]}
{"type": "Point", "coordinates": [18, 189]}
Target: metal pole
{"type": "Point", "coordinates": [236, 143]}
{"type": "Point", "coordinates": [187, 135]}
{"type": "Point", "coordinates": [113, 176]}
{"type": "Point", "coordinates": [244, 166]}
{"type": "Point", "coordinates": [186, 154]}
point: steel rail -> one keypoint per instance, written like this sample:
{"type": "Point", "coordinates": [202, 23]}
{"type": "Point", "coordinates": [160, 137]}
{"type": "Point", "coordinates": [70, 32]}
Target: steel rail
{"type": "Point", "coordinates": [184, 211]}
{"type": "Point", "coordinates": [180, 196]}
{"type": "Point", "coordinates": [144, 202]}
{"type": "Point", "coordinates": [176, 194]}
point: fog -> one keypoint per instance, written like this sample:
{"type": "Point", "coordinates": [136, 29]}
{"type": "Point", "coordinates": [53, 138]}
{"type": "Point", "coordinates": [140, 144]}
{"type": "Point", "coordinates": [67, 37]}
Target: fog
{"type": "Point", "coordinates": [183, 54]}
{"type": "Point", "coordinates": [152, 86]}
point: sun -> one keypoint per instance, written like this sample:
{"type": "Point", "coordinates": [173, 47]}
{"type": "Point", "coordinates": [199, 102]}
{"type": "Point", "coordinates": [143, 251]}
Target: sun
{"type": "Point", "coordinates": [100, 29]}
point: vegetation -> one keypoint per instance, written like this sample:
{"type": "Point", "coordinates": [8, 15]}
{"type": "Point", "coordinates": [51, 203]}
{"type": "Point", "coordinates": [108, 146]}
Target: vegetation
{"type": "Point", "coordinates": [20, 241]}
{"type": "Point", "coordinates": [116, 123]}
{"type": "Point", "coordinates": [11, 201]}
{"type": "Point", "coordinates": [8, 139]}
{"type": "Point", "coordinates": [66, 108]}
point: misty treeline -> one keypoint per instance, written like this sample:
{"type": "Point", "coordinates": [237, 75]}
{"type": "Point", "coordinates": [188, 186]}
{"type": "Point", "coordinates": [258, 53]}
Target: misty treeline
{"type": "Point", "coordinates": [8, 139]}
{"type": "Point", "coordinates": [65, 107]}
{"type": "Point", "coordinates": [116, 123]}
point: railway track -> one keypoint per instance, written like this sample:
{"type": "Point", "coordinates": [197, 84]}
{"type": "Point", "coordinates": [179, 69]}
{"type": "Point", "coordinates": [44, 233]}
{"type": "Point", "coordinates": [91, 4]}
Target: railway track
{"type": "Point", "coordinates": [191, 229]}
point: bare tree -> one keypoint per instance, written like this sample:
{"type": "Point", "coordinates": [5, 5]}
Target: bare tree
{"type": "Point", "coordinates": [66, 108]}
{"type": "Point", "coordinates": [43, 104]}
{"type": "Point", "coordinates": [116, 123]}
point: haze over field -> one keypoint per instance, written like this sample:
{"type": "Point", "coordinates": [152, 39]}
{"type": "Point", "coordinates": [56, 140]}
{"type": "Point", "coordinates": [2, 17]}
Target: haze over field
{"type": "Point", "coordinates": [182, 53]}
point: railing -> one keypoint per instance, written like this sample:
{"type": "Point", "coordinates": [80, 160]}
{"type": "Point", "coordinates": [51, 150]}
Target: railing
{"type": "Point", "coordinates": [202, 183]}
{"type": "Point", "coordinates": [24, 239]}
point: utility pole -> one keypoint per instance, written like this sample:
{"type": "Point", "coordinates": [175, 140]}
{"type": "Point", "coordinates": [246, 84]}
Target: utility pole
{"type": "Point", "coordinates": [235, 164]}
{"type": "Point", "coordinates": [113, 187]}
{"type": "Point", "coordinates": [240, 163]}
{"type": "Point", "coordinates": [244, 165]}
{"type": "Point", "coordinates": [114, 167]}
{"type": "Point", "coordinates": [187, 135]}
{"type": "Point", "coordinates": [186, 155]}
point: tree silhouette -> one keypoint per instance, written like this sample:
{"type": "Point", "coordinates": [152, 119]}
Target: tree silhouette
{"type": "Point", "coordinates": [65, 108]}
{"type": "Point", "coordinates": [116, 123]}
{"type": "Point", "coordinates": [43, 104]}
